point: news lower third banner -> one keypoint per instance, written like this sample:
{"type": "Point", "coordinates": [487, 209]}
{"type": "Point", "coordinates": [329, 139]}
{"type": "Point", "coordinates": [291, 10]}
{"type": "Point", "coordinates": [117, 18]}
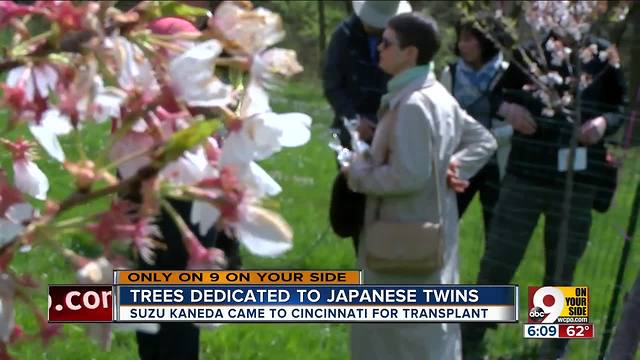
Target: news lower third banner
{"type": "Point", "coordinates": [322, 296]}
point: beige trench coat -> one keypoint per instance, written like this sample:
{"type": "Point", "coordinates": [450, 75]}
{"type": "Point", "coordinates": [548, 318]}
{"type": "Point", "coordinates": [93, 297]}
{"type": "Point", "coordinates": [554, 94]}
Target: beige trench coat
{"type": "Point", "coordinates": [404, 189]}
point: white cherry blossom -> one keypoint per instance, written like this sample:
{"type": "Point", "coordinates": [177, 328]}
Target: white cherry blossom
{"type": "Point", "coordinates": [193, 78]}
{"type": "Point", "coordinates": [37, 79]}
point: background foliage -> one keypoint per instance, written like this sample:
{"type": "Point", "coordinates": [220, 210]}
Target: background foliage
{"type": "Point", "coordinates": [306, 176]}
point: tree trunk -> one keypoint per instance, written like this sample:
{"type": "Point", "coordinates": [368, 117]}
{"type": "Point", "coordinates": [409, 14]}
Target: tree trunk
{"type": "Point", "coordinates": [348, 7]}
{"type": "Point", "coordinates": [322, 34]}
{"type": "Point", "coordinates": [625, 342]}
{"type": "Point", "coordinates": [416, 5]}
{"type": "Point", "coordinates": [634, 78]}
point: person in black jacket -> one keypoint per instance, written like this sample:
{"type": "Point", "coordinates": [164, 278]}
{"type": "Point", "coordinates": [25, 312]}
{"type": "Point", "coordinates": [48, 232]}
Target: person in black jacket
{"type": "Point", "coordinates": [535, 180]}
{"type": "Point", "coordinates": [178, 340]}
{"type": "Point", "coordinates": [475, 80]}
{"type": "Point", "coordinates": [353, 82]}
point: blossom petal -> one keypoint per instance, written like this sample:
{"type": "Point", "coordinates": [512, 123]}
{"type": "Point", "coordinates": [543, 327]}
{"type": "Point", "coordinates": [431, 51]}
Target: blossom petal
{"type": "Point", "coordinates": [57, 122]}
{"type": "Point", "coordinates": [194, 79]}
{"type": "Point", "coordinates": [134, 69]}
{"type": "Point", "coordinates": [294, 128]}
{"type": "Point", "coordinates": [205, 215]}
{"type": "Point", "coordinates": [8, 231]}
{"type": "Point", "coordinates": [131, 143]}
{"type": "Point", "coordinates": [257, 178]}
{"type": "Point", "coordinates": [276, 61]}
{"type": "Point", "coordinates": [45, 78]}
{"type": "Point", "coordinates": [237, 148]}
{"type": "Point", "coordinates": [264, 232]}
{"type": "Point", "coordinates": [256, 101]}
{"type": "Point", "coordinates": [265, 136]}
{"type": "Point", "coordinates": [30, 179]}
{"type": "Point", "coordinates": [22, 76]}
{"type": "Point", "coordinates": [49, 141]}
{"type": "Point", "coordinates": [187, 169]}
{"type": "Point", "coordinates": [98, 271]}
{"type": "Point", "coordinates": [7, 313]}
{"type": "Point", "coordinates": [53, 124]}
{"type": "Point", "coordinates": [20, 212]}
{"type": "Point", "coordinates": [251, 31]}
{"type": "Point", "coordinates": [15, 75]}
{"type": "Point", "coordinates": [108, 102]}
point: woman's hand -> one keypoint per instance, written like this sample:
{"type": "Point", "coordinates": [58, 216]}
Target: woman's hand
{"type": "Point", "coordinates": [366, 129]}
{"type": "Point", "coordinates": [453, 181]}
{"type": "Point", "coordinates": [592, 131]}
{"type": "Point", "coordinates": [519, 117]}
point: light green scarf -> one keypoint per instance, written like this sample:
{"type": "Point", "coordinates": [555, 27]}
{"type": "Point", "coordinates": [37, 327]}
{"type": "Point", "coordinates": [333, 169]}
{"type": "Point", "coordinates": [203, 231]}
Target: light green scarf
{"type": "Point", "coordinates": [401, 80]}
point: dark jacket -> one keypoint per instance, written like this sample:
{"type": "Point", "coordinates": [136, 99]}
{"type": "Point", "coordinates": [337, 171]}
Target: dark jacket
{"type": "Point", "coordinates": [352, 81]}
{"type": "Point", "coordinates": [536, 156]}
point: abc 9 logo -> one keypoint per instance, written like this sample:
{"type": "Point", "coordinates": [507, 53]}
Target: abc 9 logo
{"type": "Point", "coordinates": [548, 302]}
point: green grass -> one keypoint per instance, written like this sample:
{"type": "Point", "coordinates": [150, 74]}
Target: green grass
{"type": "Point", "coordinates": [306, 175]}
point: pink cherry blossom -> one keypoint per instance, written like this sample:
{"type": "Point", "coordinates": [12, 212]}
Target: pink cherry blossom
{"type": "Point", "coordinates": [53, 124]}
{"type": "Point", "coordinates": [106, 229]}
{"type": "Point", "coordinates": [249, 31]}
{"type": "Point", "coordinates": [15, 98]}
{"type": "Point", "coordinates": [65, 13]}
{"type": "Point", "coordinates": [263, 135]}
{"type": "Point", "coordinates": [201, 258]}
{"type": "Point", "coordinates": [10, 10]}
{"type": "Point", "coordinates": [142, 233]}
{"type": "Point", "coordinates": [47, 331]}
{"type": "Point", "coordinates": [13, 222]}
{"type": "Point", "coordinates": [263, 232]}
{"type": "Point", "coordinates": [274, 62]}
{"type": "Point", "coordinates": [193, 78]}
{"type": "Point", "coordinates": [17, 334]}
{"type": "Point", "coordinates": [121, 72]}
{"type": "Point", "coordinates": [134, 71]}
{"type": "Point", "coordinates": [9, 195]}
{"type": "Point", "coordinates": [36, 80]}
{"type": "Point", "coordinates": [27, 175]}
{"type": "Point", "coordinates": [133, 142]}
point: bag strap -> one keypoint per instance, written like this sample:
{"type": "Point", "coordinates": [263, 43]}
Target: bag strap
{"type": "Point", "coordinates": [434, 166]}
{"type": "Point", "coordinates": [486, 93]}
{"type": "Point", "coordinates": [435, 173]}
{"type": "Point", "coordinates": [497, 76]}
{"type": "Point", "coordinates": [452, 72]}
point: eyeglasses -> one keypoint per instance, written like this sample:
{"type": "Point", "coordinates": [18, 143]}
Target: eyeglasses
{"type": "Point", "coordinates": [386, 43]}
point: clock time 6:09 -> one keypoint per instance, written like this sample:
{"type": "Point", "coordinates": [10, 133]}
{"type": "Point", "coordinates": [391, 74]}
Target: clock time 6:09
{"type": "Point", "coordinates": [541, 331]}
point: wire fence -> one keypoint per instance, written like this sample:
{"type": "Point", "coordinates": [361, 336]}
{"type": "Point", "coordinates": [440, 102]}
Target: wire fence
{"type": "Point", "coordinates": [595, 240]}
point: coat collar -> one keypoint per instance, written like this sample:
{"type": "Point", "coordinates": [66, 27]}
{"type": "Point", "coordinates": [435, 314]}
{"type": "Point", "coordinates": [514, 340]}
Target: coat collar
{"type": "Point", "coordinates": [417, 84]}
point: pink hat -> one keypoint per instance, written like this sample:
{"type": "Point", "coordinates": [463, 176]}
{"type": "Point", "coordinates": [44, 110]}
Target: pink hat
{"type": "Point", "coordinates": [171, 25]}
{"type": "Point", "coordinates": [167, 26]}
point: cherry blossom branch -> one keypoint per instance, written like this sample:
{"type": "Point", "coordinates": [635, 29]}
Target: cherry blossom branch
{"type": "Point", "coordinates": [127, 124]}
{"type": "Point", "coordinates": [237, 62]}
{"type": "Point", "coordinates": [173, 214]}
{"type": "Point", "coordinates": [70, 223]}
{"type": "Point", "coordinates": [129, 157]}
{"type": "Point", "coordinates": [537, 41]}
{"type": "Point", "coordinates": [77, 136]}
{"type": "Point", "coordinates": [127, 184]}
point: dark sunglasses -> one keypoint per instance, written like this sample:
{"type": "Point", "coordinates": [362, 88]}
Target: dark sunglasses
{"type": "Point", "coordinates": [386, 43]}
